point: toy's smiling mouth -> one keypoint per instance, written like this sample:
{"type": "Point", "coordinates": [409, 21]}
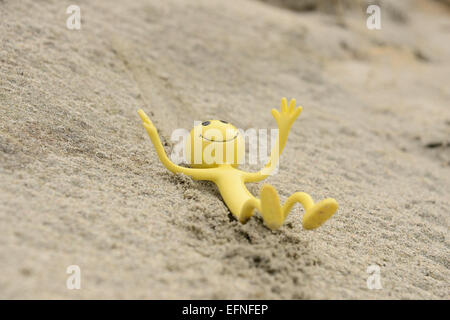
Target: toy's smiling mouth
{"type": "Point", "coordinates": [210, 140]}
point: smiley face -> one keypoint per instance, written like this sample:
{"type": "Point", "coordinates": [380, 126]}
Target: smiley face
{"type": "Point", "coordinates": [213, 143]}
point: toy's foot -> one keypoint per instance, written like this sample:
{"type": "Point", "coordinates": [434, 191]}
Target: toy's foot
{"type": "Point", "coordinates": [315, 216]}
{"type": "Point", "coordinates": [270, 207]}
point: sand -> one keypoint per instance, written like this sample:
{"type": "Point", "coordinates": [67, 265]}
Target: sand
{"type": "Point", "coordinates": [80, 182]}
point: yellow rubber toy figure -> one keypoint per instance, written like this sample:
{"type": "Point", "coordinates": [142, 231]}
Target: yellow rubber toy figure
{"type": "Point", "coordinates": [214, 149]}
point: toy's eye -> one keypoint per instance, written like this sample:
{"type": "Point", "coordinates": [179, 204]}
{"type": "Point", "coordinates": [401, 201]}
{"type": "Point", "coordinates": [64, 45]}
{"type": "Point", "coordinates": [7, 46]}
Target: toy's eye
{"type": "Point", "coordinates": [223, 121]}
{"type": "Point", "coordinates": [206, 123]}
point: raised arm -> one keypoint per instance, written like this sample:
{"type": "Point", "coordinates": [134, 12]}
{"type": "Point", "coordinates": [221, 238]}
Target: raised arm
{"type": "Point", "coordinates": [285, 118]}
{"type": "Point", "coordinates": [199, 174]}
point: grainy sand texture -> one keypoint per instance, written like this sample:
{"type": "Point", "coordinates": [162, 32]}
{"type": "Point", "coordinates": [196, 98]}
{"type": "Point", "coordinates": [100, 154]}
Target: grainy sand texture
{"type": "Point", "coordinates": [81, 184]}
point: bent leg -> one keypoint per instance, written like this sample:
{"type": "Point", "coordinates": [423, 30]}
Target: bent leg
{"type": "Point", "coordinates": [315, 214]}
{"type": "Point", "coordinates": [248, 209]}
{"type": "Point", "coordinates": [303, 198]}
{"type": "Point", "coordinates": [274, 214]}
{"type": "Point", "coordinates": [268, 205]}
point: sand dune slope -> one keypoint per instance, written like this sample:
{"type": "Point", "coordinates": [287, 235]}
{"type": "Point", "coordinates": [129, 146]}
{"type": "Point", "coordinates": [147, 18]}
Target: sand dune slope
{"type": "Point", "coordinates": [80, 183]}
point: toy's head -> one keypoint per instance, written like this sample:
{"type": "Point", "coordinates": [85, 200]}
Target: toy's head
{"type": "Point", "coordinates": [212, 143]}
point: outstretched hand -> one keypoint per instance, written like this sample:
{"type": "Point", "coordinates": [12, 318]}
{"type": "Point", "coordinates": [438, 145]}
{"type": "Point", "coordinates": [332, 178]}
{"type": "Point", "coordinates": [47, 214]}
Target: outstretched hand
{"type": "Point", "coordinates": [287, 115]}
{"type": "Point", "coordinates": [148, 124]}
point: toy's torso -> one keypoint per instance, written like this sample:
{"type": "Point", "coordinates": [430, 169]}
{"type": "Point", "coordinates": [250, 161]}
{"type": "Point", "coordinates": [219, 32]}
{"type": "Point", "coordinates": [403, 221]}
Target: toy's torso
{"type": "Point", "coordinates": [232, 188]}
